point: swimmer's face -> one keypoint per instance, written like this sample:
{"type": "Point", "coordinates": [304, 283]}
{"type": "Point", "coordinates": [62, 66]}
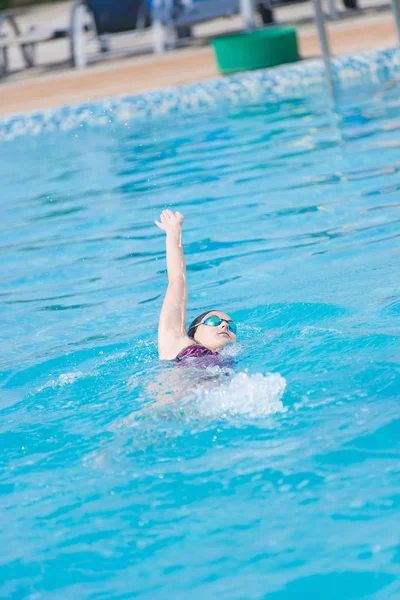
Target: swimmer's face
{"type": "Point", "coordinates": [215, 337]}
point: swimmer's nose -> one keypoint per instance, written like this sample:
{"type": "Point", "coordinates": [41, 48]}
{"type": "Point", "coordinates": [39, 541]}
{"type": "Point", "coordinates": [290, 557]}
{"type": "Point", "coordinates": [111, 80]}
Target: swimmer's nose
{"type": "Point", "coordinates": [224, 326]}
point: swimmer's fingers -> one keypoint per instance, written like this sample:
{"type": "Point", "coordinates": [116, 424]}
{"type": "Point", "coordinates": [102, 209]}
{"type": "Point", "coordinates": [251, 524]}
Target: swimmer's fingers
{"type": "Point", "coordinates": [163, 223]}
{"type": "Point", "coordinates": [180, 217]}
{"type": "Point", "coordinates": [171, 217]}
{"type": "Point", "coordinates": [169, 220]}
{"type": "Point", "coordinates": [166, 216]}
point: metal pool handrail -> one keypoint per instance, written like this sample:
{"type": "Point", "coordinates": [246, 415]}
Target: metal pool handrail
{"type": "Point", "coordinates": [396, 14]}
{"type": "Point", "coordinates": [323, 39]}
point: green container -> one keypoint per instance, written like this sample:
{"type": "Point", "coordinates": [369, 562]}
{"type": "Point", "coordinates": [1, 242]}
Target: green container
{"type": "Point", "coordinates": [257, 49]}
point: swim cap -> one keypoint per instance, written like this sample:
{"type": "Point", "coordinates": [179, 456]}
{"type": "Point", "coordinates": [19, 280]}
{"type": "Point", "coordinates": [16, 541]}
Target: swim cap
{"type": "Point", "coordinates": [193, 324]}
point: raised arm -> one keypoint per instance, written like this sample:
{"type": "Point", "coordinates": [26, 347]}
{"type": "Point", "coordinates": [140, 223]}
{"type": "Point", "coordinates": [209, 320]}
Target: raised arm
{"type": "Point", "coordinates": [172, 335]}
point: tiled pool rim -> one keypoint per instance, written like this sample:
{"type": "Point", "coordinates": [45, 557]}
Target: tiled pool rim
{"type": "Point", "coordinates": [374, 67]}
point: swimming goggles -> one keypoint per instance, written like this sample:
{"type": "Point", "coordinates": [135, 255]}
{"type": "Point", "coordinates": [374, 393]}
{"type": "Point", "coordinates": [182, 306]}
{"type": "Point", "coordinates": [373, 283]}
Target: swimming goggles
{"type": "Point", "coordinates": [215, 321]}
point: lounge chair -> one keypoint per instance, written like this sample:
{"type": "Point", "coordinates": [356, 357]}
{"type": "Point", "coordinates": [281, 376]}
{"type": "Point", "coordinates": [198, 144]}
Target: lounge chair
{"type": "Point", "coordinates": [26, 41]}
{"type": "Point", "coordinates": [104, 19]}
{"type": "Point", "coordinates": [171, 20]}
{"type": "Point", "coordinates": [170, 16]}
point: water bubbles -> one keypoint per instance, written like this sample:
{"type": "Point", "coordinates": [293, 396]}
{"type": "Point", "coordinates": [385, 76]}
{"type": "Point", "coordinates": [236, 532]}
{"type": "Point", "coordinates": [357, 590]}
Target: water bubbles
{"type": "Point", "coordinates": [231, 350]}
{"type": "Point", "coordinates": [251, 395]}
{"type": "Point", "coordinates": [63, 379]}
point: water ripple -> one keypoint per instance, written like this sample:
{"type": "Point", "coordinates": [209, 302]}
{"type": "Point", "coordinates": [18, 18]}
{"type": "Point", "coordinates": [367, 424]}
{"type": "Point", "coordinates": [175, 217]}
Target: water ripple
{"type": "Point", "coordinates": [279, 468]}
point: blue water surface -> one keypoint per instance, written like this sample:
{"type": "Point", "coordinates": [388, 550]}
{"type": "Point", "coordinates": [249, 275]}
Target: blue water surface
{"type": "Point", "coordinates": [125, 478]}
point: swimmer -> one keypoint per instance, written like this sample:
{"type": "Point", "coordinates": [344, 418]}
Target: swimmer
{"type": "Point", "coordinates": [210, 331]}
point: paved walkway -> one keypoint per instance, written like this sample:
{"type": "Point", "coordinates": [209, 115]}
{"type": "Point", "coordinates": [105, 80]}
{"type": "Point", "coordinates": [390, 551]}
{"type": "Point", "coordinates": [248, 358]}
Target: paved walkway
{"type": "Point", "coordinates": [53, 82]}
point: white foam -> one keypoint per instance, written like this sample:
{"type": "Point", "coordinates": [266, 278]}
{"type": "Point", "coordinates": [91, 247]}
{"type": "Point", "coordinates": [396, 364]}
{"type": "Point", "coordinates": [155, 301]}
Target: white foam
{"type": "Point", "coordinates": [231, 350]}
{"type": "Point", "coordinates": [251, 395]}
{"type": "Point", "coordinates": [115, 356]}
{"type": "Point", "coordinates": [311, 329]}
{"type": "Point", "coordinates": [63, 379]}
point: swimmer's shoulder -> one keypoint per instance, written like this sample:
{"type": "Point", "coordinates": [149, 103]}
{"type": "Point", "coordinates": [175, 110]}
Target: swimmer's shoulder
{"type": "Point", "coordinates": [170, 351]}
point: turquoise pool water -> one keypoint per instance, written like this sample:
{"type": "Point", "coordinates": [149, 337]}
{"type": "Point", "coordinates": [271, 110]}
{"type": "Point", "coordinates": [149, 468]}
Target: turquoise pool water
{"type": "Point", "coordinates": [278, 481]}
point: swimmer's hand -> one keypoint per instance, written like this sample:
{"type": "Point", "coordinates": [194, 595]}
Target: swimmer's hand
{"type": "Point", "coordinates": [170, 222]}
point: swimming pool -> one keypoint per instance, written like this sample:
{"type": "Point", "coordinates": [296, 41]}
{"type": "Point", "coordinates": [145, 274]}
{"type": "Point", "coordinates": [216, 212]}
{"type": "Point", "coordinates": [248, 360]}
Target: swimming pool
{"type": "Point", "coordinates": [283, 482]}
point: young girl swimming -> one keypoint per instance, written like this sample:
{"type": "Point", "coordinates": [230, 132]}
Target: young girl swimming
{"type": "Point", "coordinates": [210, 331]}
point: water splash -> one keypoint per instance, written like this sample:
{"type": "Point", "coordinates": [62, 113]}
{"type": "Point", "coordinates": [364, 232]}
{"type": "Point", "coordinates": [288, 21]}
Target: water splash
{"type": "Point", "coordinates": [251, 395]}
{"type": "Point", "coordinates": [62, 380]}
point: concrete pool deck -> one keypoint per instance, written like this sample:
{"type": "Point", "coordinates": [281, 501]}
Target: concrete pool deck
{"type": "Point", "coordinates": [53, 82]}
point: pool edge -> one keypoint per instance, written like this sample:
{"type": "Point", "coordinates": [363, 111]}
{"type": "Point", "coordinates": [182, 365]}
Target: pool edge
{"type": "Point", "coordinates": [372, 67]}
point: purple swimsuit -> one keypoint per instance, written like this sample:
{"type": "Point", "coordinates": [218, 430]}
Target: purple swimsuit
{"type": "Point", "coordinates": [200, 357]}
{"type": "Point", "coordinates": [195, 351]}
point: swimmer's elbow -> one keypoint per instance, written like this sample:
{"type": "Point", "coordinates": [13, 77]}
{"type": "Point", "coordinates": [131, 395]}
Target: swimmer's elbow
{"type": "Point", "coordinates": [177, 281]}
